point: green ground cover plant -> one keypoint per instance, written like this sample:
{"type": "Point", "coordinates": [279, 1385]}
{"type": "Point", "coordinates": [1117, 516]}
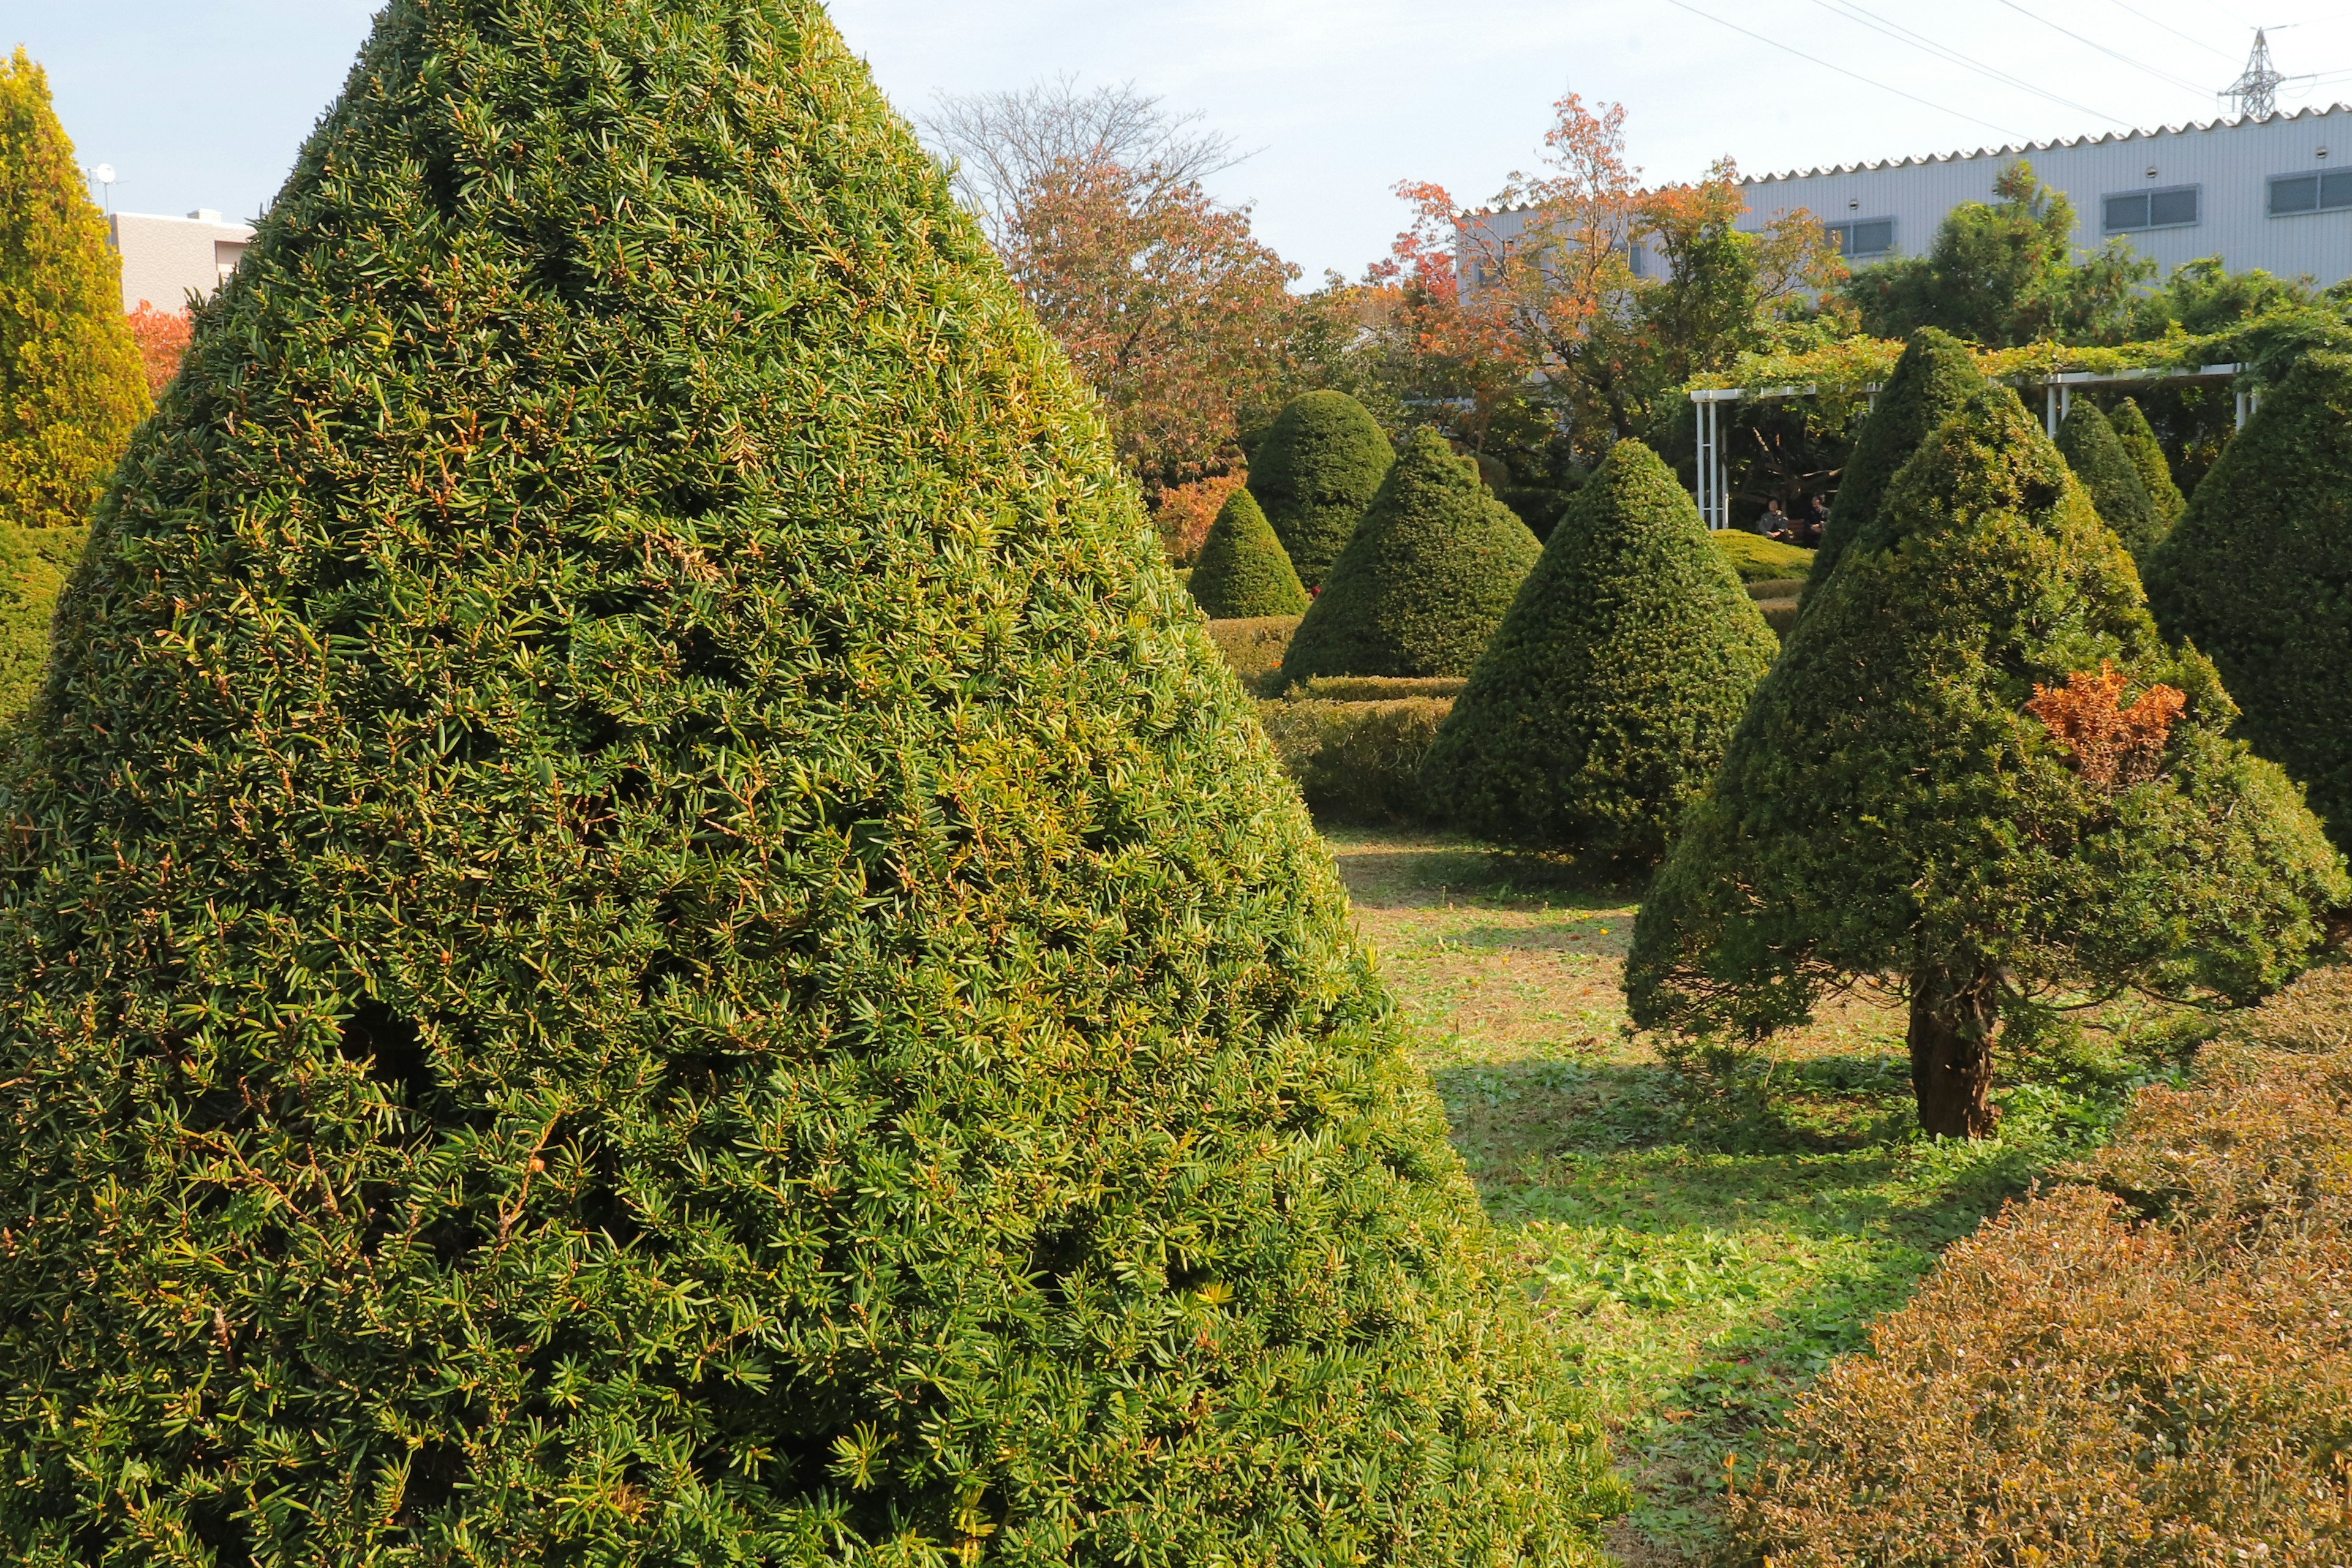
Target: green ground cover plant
{"type": "Point", "coordinates": [1425, 581]}
{"type": "Point", "coordinates": [1602, 706]}
{"type": "Point", "coordinates": [1711, 1233]}
{"type": "Point", "coordinates": [1242, 572]}
{"type": "Point", "coordinates": [2147, 1365]}
{"type": "Point", "coordinates": [2259, 575]}
{"type": "Point", "coordinates": [1936, 374]}
{"type": "Point", "coordinates": [71, 384]}
{"type": "Point", "coordinates": [1315, 471]}
{"type": "Point", "coordinates": [644, 928]}
{"type": "Point", "coordinates": [2148, 459]}
{"type": "Point", "coordinates": [2099, 459]}
{"type": "Point", "coordinates": [1941, 786]}
{"type": "Point", "coordinates": [1760, 560]}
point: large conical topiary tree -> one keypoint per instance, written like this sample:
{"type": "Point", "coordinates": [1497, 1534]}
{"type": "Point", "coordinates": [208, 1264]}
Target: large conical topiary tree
{"type": "Point", "coordinates": [1936, 374]}
{"type": "Point", "coordinates": [1603, 706]}
{"type": "Point", "coordinates": [1315, 471]}
{"type": "Point", "coordinates": [644, 928]}
{"type": "Point", "coordinates": [1976, 774]}
{"type": "Point", "coordinates": [70, 384]}
{"type": "Point", "coordinates": [1425, 581]}
{"type": "Point", "coordinates": [1242, 571]}
{"type": "Point", "coordinates": [2146, 454]}
{"type": "Point", "coordinates": [2088, 443]}
{"type": "Point", "coordinates": [2259, 575]}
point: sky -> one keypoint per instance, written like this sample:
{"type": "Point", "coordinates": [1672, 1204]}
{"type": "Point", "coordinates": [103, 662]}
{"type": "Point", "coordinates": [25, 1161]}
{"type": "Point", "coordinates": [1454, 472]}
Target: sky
{"type": "Point", "coordinates": [203, 103]}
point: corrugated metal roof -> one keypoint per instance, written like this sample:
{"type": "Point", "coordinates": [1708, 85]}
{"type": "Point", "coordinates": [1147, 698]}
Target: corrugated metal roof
{"type": "Point", "coordinates": [2018, 150]}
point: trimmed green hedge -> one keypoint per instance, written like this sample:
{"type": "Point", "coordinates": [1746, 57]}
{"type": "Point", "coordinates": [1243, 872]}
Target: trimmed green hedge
{"type": "Point", "coordinates": [2146, 454]}
{"type": "Point", "coordinates": [1380, 687]}
{"type": "Point", "coordinates": [1315, 471]}
{"type": "Point", "coordinates": [1425, 581]}
{"type": "Point", "coordinates": [645, 930]}
{"type": "Point", "coordinates": [1603, 706]}
{"type": "Point", "coordinates": [1356, 761]}
{"type": "Point", "coordinates": [2259, 575]}
{"type": "Point", "coordinates": [1760, 560]}
{"type": "Point", "coordinates": [1934, 376]}
{"type": "Point", "coordinates": [2089, 445]}
{"type": "Point", "coordinates": [1254, 648]}
{"type": "Point", "coordinates": [1242, 572]}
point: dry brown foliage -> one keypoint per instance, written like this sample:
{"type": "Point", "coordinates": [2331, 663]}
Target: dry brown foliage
{"type": "Point", "coordinates": [2110, 745]}
{"type": "Point", "coordinates": [2151, 1364]}
{"type": "Point", "coordinates": [163, 339]}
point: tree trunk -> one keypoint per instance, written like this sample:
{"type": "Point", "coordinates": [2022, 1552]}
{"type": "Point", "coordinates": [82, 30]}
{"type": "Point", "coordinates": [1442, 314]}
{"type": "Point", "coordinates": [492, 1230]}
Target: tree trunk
{"type": "Point", "coordinates": [1954, 1019]}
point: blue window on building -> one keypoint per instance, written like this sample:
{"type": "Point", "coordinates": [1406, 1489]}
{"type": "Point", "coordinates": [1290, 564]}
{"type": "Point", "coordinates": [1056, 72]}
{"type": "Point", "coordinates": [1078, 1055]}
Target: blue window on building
{"type": "Point", "coordinates": [1864, 236]}
{"type": "Point", "coordinates": [2317, 192]}
{"type": "Point", "coordinates": [2176, 207]}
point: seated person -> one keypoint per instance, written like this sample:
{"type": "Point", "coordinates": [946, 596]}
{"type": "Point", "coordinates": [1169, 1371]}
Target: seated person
{"type": "Point", "coordinates": [1816, 518]}
{"type": "Point", "coordinates": [1774, 523]}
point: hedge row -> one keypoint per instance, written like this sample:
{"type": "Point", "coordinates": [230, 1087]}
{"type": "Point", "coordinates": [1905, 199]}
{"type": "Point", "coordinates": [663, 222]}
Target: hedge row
{"type": "Point", "coordinates": [1358, 761]}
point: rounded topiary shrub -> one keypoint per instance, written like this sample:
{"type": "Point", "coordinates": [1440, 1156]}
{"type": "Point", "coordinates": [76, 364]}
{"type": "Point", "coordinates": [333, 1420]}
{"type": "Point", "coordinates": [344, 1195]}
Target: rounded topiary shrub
{"type": "Point", "coordinates": [1425, 581]}
{"type": "Point", "coordinates": [1602, 705]}
{"type": "Point", "coordinates": [2088, 443]}
{"type": "Point", "coordinates": [1315, 471]}
{"type": "Point", "coordinates": [72, 382]}
{"type": "Point", "coordinates": [2258, 575]}
{"type": "Point", "coordinates": [1242, 571]}
{"type": "Point", "coordinates": [2148, 460]}
{"type": "Point", "coordinates": [1936, 374]}
{"type": "Point", "coordinates": [1977, 775]}
{"type": "Point", "coordinates": [644, 929]}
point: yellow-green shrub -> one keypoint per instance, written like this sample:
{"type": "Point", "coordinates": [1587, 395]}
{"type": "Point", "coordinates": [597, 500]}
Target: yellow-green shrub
{"type": "Point", "coordinates": [1356, 762]}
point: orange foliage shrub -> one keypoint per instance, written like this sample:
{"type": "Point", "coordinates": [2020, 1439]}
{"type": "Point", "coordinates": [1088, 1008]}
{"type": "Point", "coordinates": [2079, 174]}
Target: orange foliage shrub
{"type": "Point", "coordinates": [2151, 1365]}
{"type": "Point", "coordinates": [1184, 512]}
{"type": "Point", "coordinates": [162, 340]}
{"type": "Point", "coordinates": [2112, 746]}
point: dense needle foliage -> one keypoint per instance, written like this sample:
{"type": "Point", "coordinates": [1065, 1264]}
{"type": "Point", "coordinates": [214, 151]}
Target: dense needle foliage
{"type": "Point", "coordinates": [1425, 581]}
{"type": "Point", "coordinates": [1940, 787]}
{"type": "Point", "coordinates": [1603, 706]}
{"type": "Point", "coordinates": [2259, 575]}
{"type": "Point", "coordinates": [1242, 572]}
{"type": "Point", "coordinates": [1315, 471]}
{"type": "Point", "coordinates": [2146, 454]}
{"type": "Point", "coordinates": [644, 929]}
{"type": "Point", "coordinates": [1936, 374]}
{"type": "Point", "coordinates": [72, 382]}
{"type": "Point", "coordinates": [2100, 461]}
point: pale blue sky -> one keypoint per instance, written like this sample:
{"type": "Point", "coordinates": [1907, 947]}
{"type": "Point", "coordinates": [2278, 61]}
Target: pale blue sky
{"type": "Point", "coordinates": [202, 102]}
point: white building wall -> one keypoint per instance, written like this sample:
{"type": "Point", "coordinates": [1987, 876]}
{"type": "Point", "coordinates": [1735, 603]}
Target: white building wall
{"type": "Point", "coordinates": [165, 259]}
{"type": "Point", "coordinates": [2231, 163]}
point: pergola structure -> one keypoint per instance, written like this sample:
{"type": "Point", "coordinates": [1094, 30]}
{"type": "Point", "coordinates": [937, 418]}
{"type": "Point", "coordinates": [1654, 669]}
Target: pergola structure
{"type": "Point", "coordinates": [2058, 397]}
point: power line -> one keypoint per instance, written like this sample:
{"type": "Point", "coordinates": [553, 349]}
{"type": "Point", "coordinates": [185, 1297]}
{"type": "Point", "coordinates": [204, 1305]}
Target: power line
{"type": "Point", "coordinates": [2094, 43]}
{"type": "Point", "coordinates": [1857, 76]}
{"type": "Point", "coordinates": [2176, 32]}
{"type": "Point", "coordinates": [1902, 35]}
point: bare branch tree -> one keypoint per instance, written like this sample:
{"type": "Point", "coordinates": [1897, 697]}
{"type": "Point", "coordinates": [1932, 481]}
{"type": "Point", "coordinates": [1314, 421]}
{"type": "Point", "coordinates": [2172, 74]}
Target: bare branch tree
{"type": "Point", "coordinates": [1004, 145]}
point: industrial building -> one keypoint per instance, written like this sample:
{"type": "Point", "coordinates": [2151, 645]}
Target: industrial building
{"type": "Point", "coordinates": [165, 259]}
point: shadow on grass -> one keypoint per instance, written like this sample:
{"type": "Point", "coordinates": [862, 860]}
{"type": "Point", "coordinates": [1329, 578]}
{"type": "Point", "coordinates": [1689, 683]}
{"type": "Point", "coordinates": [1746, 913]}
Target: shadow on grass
{"type": "Point", "coordinates": [1380, 875]}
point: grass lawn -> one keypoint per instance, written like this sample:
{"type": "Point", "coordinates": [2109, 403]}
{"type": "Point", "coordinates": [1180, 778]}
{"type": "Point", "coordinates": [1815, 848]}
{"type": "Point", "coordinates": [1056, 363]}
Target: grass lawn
{"type": "Point", "coordinates": [1712, 1231]}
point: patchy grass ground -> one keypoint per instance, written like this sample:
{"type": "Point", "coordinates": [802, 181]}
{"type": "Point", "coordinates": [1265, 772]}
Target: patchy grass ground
{"type": "Point", "coordinates": [1712, 1230]}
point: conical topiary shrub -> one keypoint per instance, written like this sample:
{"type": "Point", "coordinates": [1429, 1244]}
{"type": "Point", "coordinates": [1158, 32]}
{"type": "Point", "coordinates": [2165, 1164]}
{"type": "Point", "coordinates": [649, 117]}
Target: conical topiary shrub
{"type": "Point", "coordinates": [1242, 571]}
{"type": "Point", "coordinates": [2258, 575]}
{"type": "Point", "coordinates": [1936, 374]}
{"type": "Point", "coordinates": [1601, 708]}
{"type": "Point", "coordinates": [2088, 443]}
{"type": "Point", "coordinates": [2146, 454]}
{"type": "Point", "coordinates": [1315, 471]}
{"type": "Point", "coordinates": [71, 386]}
{"type": "Point", "coordinates": [644, 929]}
{"type": "Point", "coordinates": [1976, 774]}
{"type": "Point", "coordinates": [1425, 581]}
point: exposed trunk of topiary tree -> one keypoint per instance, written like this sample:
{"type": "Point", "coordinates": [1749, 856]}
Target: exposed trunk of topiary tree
{"type": "Point", "coordinates": [1977, 775]}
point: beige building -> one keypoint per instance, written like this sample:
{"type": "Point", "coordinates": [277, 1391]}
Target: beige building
{"type": "Point", "coordinates": [165, 259]}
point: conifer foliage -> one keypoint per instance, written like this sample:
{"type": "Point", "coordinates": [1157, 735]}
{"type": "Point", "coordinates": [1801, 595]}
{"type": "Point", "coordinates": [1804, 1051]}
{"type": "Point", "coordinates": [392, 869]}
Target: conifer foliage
{"type": "Point", "coordinates": [71, 383]}
{"type": "Point", "coordinates": [1977, 772]}
{"type": "Point", "coordinates": [644, 929]}
{"type": "Point", "coordinates": [1315, 472]}
{"type": "Point", "coordinates": [1603, 706]}
{"type": "Point", "coordinates": [1425, 581]}
{"type": "Point", "coordinates": [2146, 454]}
{"type": "Point", "coordinates": [2259, 575]}
{"type": "Point", "coordinates": [1936, 374]}
{"type": "Point", "coordinates": [2089, 445]}
{"type": "Point", "coordinates": [1242, 571]}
